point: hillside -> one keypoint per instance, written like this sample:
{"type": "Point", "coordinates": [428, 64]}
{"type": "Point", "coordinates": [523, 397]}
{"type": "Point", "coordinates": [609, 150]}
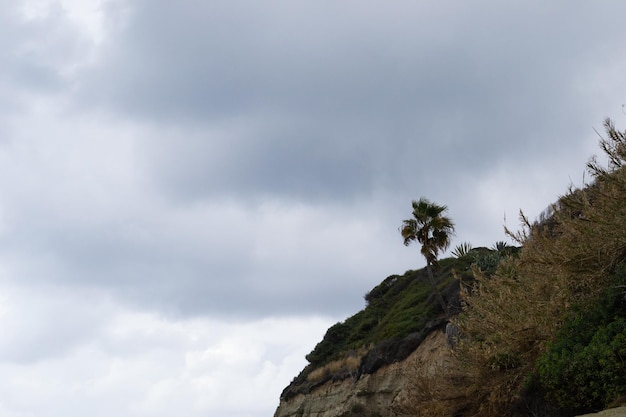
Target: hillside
{"type": "Point", "coordinates": [400, 312]}
{"type": "Point", "coordinates": [541, 327]}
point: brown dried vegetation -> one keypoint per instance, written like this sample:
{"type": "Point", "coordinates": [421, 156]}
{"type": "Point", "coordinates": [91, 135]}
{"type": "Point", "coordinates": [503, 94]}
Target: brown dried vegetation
{"type": "Point", "coordinates": [348, 365]}
{"type": "Point", "coordinates": [510, 317]}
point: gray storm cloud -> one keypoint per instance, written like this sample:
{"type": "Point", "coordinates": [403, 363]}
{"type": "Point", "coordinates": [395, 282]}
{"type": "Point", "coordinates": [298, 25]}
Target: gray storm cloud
{"type": "Point", "coordinates": [194, 117]}
{"type": "Point", "coordinates": [192, 191]}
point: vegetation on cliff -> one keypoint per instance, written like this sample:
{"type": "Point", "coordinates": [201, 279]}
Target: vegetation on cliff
{"type": "Point", "coordinates": [399, 313]}
{"type": "Point", "coordinates": [542, 326]}
{"type": "Point", "coordinates": [545, 335]}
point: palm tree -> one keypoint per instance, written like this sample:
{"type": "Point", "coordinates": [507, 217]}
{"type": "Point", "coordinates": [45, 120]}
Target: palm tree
{"type": "Point", "coordinates": [433, 231]}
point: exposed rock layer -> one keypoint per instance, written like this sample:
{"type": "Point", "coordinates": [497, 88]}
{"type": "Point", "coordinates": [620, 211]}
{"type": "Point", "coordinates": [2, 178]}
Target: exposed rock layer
{"type": "Point", "coordinates": [381, 393]}
{"type": "Point", "coordinates": [375, 394]}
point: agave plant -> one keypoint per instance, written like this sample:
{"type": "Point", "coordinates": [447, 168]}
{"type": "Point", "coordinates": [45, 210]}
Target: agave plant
{"type": "Point", "coordinates": [462, 249]}
{"type": "Point", "coordinates": [500, 247]}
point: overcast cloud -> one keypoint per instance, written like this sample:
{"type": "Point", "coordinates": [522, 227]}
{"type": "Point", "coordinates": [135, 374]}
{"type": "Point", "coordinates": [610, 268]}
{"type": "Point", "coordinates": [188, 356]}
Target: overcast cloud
{"type": "Point", "coordinates": [191, 192]}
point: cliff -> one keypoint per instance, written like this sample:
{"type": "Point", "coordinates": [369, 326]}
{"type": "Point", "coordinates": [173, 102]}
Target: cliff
{"type": "Point", "coordinates": [379, 394]}
{"type": "Point", "coordinates": [364, 365]}
{"type": "Point", "coordinates": [543, 325]}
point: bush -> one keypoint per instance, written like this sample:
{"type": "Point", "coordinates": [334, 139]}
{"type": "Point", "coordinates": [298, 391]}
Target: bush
{"type": "Point", "coordinates": [326, 349]}
{"type": "Point", "coordinates": [397, 307]}
{"type": "Point", "coordinates": [487, 262]}
{"type": "Point", "coordinates": [584, 370]}
{"type": "Point", "coordinates": [520, 320]}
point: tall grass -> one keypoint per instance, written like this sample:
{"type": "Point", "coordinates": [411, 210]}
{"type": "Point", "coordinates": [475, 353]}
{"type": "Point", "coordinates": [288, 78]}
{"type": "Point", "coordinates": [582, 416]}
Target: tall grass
{"type": "Point", "coordinates": [511, 316]}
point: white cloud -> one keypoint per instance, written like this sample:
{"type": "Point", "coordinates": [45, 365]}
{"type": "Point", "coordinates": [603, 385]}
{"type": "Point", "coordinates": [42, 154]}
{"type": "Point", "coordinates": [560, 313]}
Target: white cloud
{"type": "Point", "coordinates": [109, 360]}
{"type": "Point", "coordinates": [89, 16]}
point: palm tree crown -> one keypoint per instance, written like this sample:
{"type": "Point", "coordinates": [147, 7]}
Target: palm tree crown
{"type": "Point", "coordinates": [433, 230]}
{"type": "Point", "coordinates": [429, 227]}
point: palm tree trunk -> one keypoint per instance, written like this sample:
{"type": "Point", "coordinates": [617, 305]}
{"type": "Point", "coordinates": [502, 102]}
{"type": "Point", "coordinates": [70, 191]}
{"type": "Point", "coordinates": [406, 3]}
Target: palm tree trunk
{"type": "Point", "coordinates": [431, 277]}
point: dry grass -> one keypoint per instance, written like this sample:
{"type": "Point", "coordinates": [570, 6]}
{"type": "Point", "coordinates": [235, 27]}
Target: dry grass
{"type": "Point", "coordinates": [434, 391]}
{"type": "Point", "coordinates": [511, 316]}
{"type": "Point", "coordinates": [346, 365]}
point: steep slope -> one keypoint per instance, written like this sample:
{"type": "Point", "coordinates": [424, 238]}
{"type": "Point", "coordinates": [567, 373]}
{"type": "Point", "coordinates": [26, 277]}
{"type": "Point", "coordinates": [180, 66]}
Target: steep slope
{"type": "Point", "coordinates": [362, 362]}
{"type": "Point", "coordinates": [543, 328]}
{"type": "Point", "coordinates": [381, 393]}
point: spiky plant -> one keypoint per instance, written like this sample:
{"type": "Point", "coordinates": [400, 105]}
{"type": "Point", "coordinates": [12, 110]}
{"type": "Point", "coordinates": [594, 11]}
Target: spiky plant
{"type": "Point", "coordinates": [462, 250]}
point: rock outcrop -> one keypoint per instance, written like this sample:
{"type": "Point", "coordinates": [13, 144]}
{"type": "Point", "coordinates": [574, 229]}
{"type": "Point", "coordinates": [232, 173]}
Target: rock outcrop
{"type": "Point", "coordinates": [380, 393]}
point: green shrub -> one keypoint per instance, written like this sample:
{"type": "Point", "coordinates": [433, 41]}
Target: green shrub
{"type": "Point", "coordinates": [487, 262]}
{"type": "Point", "coordinates": [326, 349]}
{"type": "Point", "coordinates": [397, 307]}
{"type": "Point", "coordinates": [584, 369]}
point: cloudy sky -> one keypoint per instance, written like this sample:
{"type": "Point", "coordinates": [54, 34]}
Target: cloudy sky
{"type": "Point", "coordinates": [192, 191]}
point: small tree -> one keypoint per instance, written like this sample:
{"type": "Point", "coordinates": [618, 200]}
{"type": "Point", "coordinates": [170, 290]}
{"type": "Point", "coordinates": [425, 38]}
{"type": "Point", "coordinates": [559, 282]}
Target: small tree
{"type": "Point", "coordinates": [433, 231]}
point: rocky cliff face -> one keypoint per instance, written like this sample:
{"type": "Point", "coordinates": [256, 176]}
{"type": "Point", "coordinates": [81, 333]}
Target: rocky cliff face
{"type": "Point", "coordinates": [379, 394]}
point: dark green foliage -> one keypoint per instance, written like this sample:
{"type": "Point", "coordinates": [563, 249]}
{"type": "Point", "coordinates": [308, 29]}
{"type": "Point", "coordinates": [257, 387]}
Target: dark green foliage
{"type": "Point", "coordinates": [397, 307]}
{"type": "Point", "coordinates": [393, 283]}
{"type": "Point", "coordinates": [399, 312]}
{"type": "Point", "coordinates": [487, 260]}
{"type": "Point", "coordinates": [336, 335]}
{"type": "Point", "coordinates": [585, 368]}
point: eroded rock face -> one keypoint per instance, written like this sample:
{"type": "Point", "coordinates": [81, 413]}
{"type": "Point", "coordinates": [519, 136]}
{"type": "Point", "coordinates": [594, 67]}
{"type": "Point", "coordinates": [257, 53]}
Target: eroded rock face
{"type": "Point", "coordinates": [379, 394]}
